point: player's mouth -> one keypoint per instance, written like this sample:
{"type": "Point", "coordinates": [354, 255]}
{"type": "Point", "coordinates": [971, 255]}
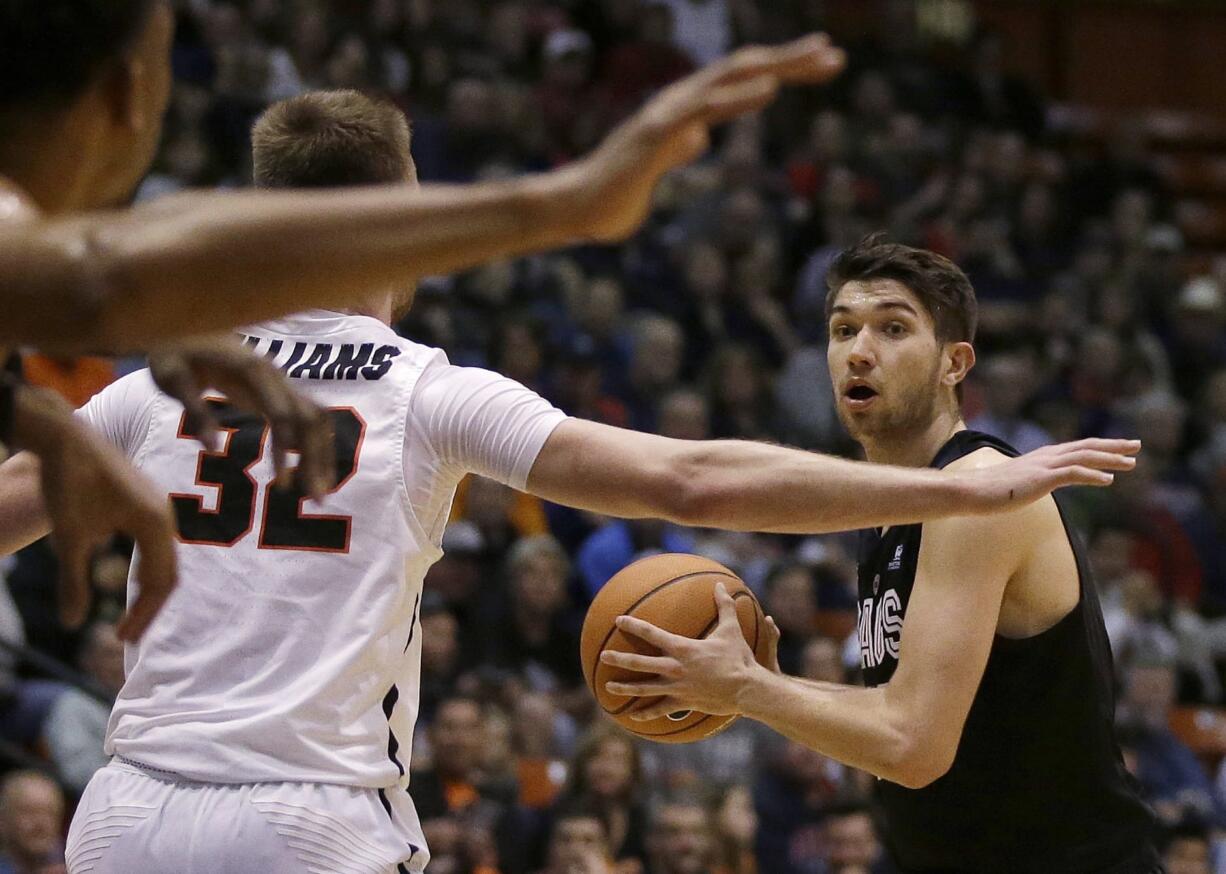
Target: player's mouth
{"type": "Point", "coordinates": [858, 395]}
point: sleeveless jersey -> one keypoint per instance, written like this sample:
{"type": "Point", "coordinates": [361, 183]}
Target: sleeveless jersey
{"type": "Point", "coordinates": [291, 649]}
{"type": "Point", "coordinates": [1038, 783]}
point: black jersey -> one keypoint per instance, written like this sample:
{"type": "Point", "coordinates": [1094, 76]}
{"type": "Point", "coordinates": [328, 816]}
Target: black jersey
{"type": "Point", "coordinates": [1038, 783]}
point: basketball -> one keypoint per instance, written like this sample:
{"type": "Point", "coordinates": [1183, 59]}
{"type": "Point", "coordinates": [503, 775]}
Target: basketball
{"type": "Point", "coordinates": [677, 593]}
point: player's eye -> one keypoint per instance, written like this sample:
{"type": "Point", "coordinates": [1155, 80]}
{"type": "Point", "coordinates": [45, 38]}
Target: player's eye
{"type": "Point", "coordinates": [896, 329]}
{"type": "Point", "coordinates": [842, 332]}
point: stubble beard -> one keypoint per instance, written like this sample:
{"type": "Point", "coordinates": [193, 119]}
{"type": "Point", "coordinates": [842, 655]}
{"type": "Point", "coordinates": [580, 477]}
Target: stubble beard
{"type": "Point", "coordinates": [910, 413]}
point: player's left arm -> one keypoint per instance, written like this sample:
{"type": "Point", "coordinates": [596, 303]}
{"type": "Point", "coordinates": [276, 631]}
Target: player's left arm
{"type": "Point", "coordinates": [906, 731]}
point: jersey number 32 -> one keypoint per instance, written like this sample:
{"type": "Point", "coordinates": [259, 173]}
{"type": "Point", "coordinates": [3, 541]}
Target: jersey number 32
{"type": "Point", "coordinates": [282, 522]}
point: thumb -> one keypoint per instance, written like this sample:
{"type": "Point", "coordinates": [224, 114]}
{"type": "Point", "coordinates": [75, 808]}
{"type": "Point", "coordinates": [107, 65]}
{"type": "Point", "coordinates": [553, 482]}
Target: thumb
{"type": "Point", "coordinates": [772, 645]}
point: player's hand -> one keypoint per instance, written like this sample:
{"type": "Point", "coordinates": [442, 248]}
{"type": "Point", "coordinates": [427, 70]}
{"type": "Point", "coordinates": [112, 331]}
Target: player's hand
{"type": "Point", "coordinates": [253, 383]}
{"type": "Point", "coordinates": [772, 645]}
{"type": "Point", "coordinates": [612, 188]}
{"type": "Point", "coordinates": [1019, 481]}
{"type": "Point", "coordinates": [92, 493]}
{"type": "Point", "coordinates": [705, 675]}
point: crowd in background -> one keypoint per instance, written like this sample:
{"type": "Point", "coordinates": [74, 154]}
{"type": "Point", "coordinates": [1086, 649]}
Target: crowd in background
{"type": "Point", "coordinates": [708, 323]}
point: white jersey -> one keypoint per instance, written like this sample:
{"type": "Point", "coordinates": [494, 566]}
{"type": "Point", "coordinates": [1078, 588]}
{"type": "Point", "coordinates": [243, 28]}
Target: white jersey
{"type": "Point", "coordinates": [291, 649]}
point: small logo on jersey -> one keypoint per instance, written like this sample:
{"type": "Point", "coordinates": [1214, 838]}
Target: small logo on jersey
{"type": "Point", "coordinates": [895, 563]}
{"type": "Point", "coordinates": [876, 583]}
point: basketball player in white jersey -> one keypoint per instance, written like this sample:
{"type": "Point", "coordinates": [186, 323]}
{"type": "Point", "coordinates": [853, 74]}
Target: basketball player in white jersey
{"type": "Point", "coordinates": [86, 83]}
{"type": "Point", "coordinates": [266, 720]}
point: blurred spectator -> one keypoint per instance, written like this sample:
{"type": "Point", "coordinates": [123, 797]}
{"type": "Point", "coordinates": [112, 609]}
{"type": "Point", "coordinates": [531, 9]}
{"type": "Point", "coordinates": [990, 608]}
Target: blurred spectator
{"type": "Point", "coordinates": [1172, 779]}
{"type": "Point", "coordinates": [820, 661]}
{"type": "Point", "coordinates": [685, 415]}
{"type": "Point", "coordinates": [1188, 849]}
{"type": "Point", "coordinates": [539, 635]}
{"type": "Point", "coordinates": [621, 541]}
{"type": "Point", "coordinates": [1161, 545]}
{"type": "Point", "coordinates": [606, 777]}
{"type": "Point", "coordinates": [720, 759]}
{"type": "Point", "coordinates": [540, 730]}
{"type": "Point", "coordinates": [740, 394]}
{"type": "Point", "coordinates": [76, 725]}
{"type": "Point", "coordinates": [440, 653]}
{"type": "Point", "coordinates": [702, 28]}
{"type": "Point", "coordinates": [792, 797]}
{"type": "Point", "coordinates": [682, 840]}
{"type": "Point", "coordinates": [579, 844]}
{"type": "Point", "coordinates": [791, 598]}
{"type": "Point", "coordinates": [1007, 385]}
{"type": "Point", "coordinates": [24, 703]}
{"type": "Point", "coordinates": [450, 788]}
{"type": "Point", "coordinates": [852, 843]}
{"type": "Point", "coordinates": [640, 66]}
{"type": "Point", "coordinates": [654, 368]}
{"type": "Point", "coordinates": [1197, 345]}
{"type": "Point", "coordinates": [736, 830]}
{"type": "Point", "coordinates": [994, 97]}
{"type": "Point", "coordinates": [568, 107]}
{"type": "Point", "coordinates": [31, 824]}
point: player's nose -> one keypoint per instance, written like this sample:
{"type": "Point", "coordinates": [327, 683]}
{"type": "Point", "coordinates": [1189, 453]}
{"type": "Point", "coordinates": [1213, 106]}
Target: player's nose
{"type": "Point", "coordinates": [861, 354]}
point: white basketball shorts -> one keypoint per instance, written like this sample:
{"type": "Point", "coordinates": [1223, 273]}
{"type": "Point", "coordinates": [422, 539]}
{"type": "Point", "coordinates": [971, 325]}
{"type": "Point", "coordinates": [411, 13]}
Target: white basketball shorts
{"type": "Point", "coordinates": [132, 819]}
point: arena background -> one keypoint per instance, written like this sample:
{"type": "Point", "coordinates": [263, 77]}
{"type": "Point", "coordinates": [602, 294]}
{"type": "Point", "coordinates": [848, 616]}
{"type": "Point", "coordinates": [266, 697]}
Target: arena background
{"type": "Point", "coordinates": [1071, 156]}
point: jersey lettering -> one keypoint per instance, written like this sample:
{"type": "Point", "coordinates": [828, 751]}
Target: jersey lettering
{"type": "Point", "coordinates": [313, 368]}
{"type": "Point", "coordinates": [879, 628]}
{"type": "Point", "coordinates": [286, 526]}
{"type": "Point", "coordinates": [326, 361]}
{"type": "Point", "coordinates": [228, 471]}
{"type": "Point", "coordinates": [283, 525]}
{"type": "Point", "coordinates": [347, 364]}
{"type": "Point", "coordinates": [381, 362]}
{"type": "Point", "coordinates": [294, 356]}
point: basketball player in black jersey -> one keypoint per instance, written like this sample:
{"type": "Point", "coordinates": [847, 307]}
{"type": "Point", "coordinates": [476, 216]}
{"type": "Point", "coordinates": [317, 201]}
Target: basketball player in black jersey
{"type": "Point", "coordinates": [988, 709]}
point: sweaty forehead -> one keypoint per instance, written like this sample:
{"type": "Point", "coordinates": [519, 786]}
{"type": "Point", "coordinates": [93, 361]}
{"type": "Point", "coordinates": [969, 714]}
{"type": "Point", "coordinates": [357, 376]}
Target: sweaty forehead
{"type": "Point", "coordinates": [861, 296]}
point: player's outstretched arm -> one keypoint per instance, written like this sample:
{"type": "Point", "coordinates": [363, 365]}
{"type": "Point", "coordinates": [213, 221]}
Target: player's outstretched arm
{"type": "Point", "coordinates": [202, 262]}
{"type": "Point", "coordinates": [73, 481]}
{"type": "Point", "coordinates": [906, 731]}
{"type": "Point", "coordinates": [747, 486]}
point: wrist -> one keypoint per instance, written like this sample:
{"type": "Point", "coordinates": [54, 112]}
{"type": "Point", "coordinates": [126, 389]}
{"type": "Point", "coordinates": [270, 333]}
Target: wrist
{"type": "Point", "coordinates": [754, 691]}
{"type": "Point", "coordinates": [961, 494]}
{"type": "Point", "coordinates": [555, 205]}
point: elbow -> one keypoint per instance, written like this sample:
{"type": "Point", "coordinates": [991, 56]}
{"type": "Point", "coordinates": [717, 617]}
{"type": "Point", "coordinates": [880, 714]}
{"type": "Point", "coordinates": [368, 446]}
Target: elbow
{"type": "Point", "coordinates": [918, 761]}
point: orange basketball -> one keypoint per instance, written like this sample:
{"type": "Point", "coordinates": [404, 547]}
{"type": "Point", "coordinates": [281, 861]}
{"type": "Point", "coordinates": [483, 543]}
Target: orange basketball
{"type": "Point", "coordinates": [677, 593]}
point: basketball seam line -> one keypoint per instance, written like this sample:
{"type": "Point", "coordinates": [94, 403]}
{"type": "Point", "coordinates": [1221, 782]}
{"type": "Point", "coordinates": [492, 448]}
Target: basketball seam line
{"type": "Point", "coordinates": [635, 605]}
{"type": "Point", "coordinates": [710, 626]}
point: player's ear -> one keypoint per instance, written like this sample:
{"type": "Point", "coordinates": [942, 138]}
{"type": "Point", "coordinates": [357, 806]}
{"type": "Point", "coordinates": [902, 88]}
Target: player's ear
{"type": "Point", "coordinates": [959, 359]}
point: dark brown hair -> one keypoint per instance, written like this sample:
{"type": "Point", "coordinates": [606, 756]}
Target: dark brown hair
{"type": "Point", "coordinates": [940, 285]}
{"type": "Point", "coordinates": [51, 49]}
{"type": "Point", "coordinates": [330, 139]}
